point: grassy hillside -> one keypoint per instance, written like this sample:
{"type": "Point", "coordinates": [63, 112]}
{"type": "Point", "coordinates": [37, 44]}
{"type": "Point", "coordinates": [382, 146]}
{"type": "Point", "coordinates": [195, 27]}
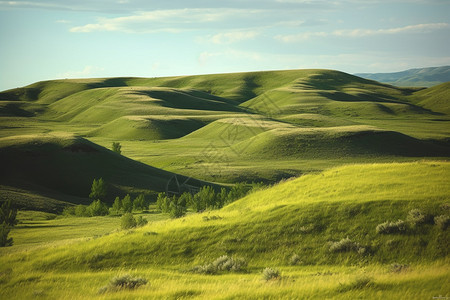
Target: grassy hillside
{"type": "Point", "coordinates": [63, 166]}
{"type": "Point", "coordinates": [240, 126]}
{"type": "Point", "coordinates": [306, 216]}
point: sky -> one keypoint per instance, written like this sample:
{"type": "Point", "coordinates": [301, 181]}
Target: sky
{"type": "Point", "coordinates": [53, 39]}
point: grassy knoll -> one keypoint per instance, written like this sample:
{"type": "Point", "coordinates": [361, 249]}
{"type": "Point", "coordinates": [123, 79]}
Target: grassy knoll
{"type": "Point", "coordinates": [308, 216]}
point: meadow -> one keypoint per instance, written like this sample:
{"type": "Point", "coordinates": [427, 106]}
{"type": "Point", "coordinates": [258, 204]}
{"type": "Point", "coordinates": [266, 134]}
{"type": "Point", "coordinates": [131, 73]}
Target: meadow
{"type": "Point", "coordinates": [355, 202]}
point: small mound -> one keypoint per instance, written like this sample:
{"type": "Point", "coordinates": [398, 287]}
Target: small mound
{"type": "Point", "coordinates": [336, 142]}
{"type": "Point", "coordinates": [232, 130]}
{"type": "Point", "coordinates": [147, 128]}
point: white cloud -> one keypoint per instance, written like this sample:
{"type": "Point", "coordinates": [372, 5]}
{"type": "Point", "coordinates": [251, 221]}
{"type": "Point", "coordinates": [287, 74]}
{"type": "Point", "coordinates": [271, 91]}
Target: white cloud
{"type": "Point", "coordinates": [86, 72]}
{"type": "Point", "coordinates": [355, 33]}
{"type": "Point", "coordinates": [174, 20]}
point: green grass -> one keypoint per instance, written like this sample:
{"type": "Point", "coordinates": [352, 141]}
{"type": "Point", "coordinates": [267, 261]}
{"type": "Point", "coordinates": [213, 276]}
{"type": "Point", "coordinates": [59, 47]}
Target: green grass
{"type": "Point", "coordinates": [266, 228]}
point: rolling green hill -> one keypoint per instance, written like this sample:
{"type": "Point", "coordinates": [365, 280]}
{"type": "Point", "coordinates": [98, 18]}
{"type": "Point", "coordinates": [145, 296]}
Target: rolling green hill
{"type": "Point", "coordinates": [62, 167]}
{"type": "Point", "coordinates": [234, 127]}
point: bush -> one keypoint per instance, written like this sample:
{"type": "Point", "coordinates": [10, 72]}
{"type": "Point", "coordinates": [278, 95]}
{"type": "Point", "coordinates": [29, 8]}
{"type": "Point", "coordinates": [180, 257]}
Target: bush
{"type": "Point", "coordinates": [294, 260]}
{"type": "Point", "coordinates": [225, 263]}
{"type": "Point", "coordinates": [271, 274]}
{"type": "Point", "coordinates": [442, 221]}
{"type": "Point", "coordinates": [123, 282]}
{"type": "Point", "coordinates": [222, 263]}
{"type": "Point", "coordinates": [391, 227]}
{"type": "Point", "coordinates": [81, 211]}
{"type": "Point", "coordinates": [343, 245]}
{"type": "Point", "coordinates": [417, 217]}
{"type": "Point", "coordinates": [116, 147]}
{"type": "Point", "coordinates": [140, 221]}
{"type": "Point", "coordinates": [128, 221]}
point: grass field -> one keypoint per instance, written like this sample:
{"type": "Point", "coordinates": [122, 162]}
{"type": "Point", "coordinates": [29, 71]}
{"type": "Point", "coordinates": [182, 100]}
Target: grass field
{"type": "Point", "coordinates": [302, 216]}
{"type": "Point", "coordinates": [339, 155]}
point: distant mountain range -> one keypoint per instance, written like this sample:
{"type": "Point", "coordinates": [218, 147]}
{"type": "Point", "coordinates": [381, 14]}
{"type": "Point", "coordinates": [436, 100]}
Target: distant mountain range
{"type": "Point", "coordinates": [425, 77]}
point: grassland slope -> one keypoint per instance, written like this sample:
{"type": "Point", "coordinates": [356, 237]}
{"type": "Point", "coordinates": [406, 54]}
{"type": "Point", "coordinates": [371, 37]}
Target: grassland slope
{"type": "Point", "coordinates": [66, 165]}
{"type": "Point", "coordinates": [303, 216]}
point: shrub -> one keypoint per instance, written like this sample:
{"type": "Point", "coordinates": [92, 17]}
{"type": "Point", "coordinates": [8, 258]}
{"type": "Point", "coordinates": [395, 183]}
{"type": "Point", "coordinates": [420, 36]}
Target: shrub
{"type": "Point", "coordinates": [127, 221]}
{"type": "Point", "coordinates": [391, 227]}
{"type": "Point", "coordinates": [294, 260]}
{"type": "Point", "coordinates": [81, 211]}
{"type": "Point", "coordinates": [116, 147]}
{"type": "Point", "coordinates": [271, 274]}
{"type": "Point", "coordinates": [177, 207]}
{"type": "Point", "coordinates": [68, 211]}
{"type": "Point", "coordinates": [222, 263]}
{"type": "Point", "coordinates": [140, 221]}
{"type": "Point", "coordinates": [225, 263]}
{"type": "Point", "coordinates": [442, 221]}
{"type": "Point", "coordinates": [123, 282]}
{"type": "Point", "coordinates": [416, 217]}
{"type": "Point", "coordinates": [343, 245]}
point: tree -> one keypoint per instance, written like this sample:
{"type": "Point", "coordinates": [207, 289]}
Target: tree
{"type": "Point", "coordinates": [116, 147]}
{"type": "Point", "coordinates": [97, 208]}
{"type": "Point", "coordinates": [127, 204]}
{"type": "Point", "coordinates": [4, 232]}
{"type": "Point", "coordinates": [139, 203]}
{"type": "Point", "coordinates": [128, 221]}
{"type": "Point", "coordinates": [162, 202]}
{"type": "Point", "coordinates": [177, 207]}
{"type": "Point", "coordinates": [7, 220]}
{"type": "Point", "coordinates": [8, 214]}
{"type": "Point", "coordinates": [116, 207]}
{"type": "Point", "coordinates": [98, 189]}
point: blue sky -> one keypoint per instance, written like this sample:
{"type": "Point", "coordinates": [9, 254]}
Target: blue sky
{"type": "Point", "coordinates": [50, 39]}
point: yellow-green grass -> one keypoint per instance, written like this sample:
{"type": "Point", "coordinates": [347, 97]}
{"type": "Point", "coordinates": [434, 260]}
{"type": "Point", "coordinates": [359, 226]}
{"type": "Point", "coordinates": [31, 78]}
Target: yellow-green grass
{"type": "Point", "coordinates": [330, 282]}
{"type": "Point", "coordinates": [267, 227]}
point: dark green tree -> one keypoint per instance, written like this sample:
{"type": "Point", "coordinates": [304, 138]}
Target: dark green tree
{"type": "Point", "coordinates": [128, 221]}
{"type": "Point", "coordinates": [98, 189]}
{"type": "Point", "coordinates": [97, 208]}
{"type": "Point", "coordinates": [127, 204]}
{"type": "Point", "coordinates": [139, 203]}
{"type": "Point", "coordinates": [116, 147]}
{"type": "Point", "coordinates": [7, 220]}
{"type": "Point", "coordinates": [116, 207]}
{"type": "Point", "coordinates": [8, 214]}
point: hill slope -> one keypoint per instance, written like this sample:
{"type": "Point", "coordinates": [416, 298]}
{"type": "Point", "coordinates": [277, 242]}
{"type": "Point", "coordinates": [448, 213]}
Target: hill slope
{"type": "Point", "coordinates": [63, 167]}
{"type": "Point", "coordinates": [302, 216]}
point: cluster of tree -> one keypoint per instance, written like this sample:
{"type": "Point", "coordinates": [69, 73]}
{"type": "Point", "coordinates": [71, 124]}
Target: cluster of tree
{"type": "Point", "coordinates": [7, 220]}
{"type": "Point", "coordinates": [99, 208]}
{"type": "Point", "coordinates": [205, 199]}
